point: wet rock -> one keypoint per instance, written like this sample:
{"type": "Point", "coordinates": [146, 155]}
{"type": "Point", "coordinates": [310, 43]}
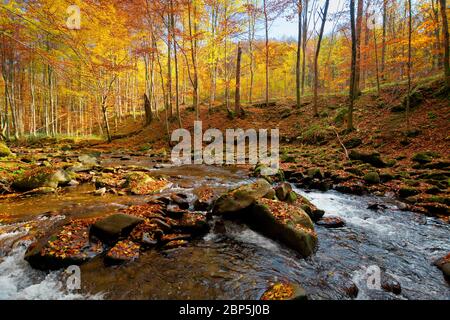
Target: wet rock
{"type": "Point", "coordinates": [272, 175]}
{"type": "Point", "coordinates": [446, 270]}
{"type": "Point", "coordinates": [180, 200]}
{"type": "Point", "coordinates": [355, 188]}
{"type": "Point", "coordinates": [237, 200]}
{"type": "Point", "coordinates": [174, 211]}
{"type": "Point", "coordinates": [88, 160]}
{"type": "Point", "coordinates": [331, 222]}
{"type": "Point", "coordinates": [283, 190]}
{"type": "Point", "coordinates": [436, 209]}
{"type": "Point", "coordinates": [311, 210]}
{"type": "Point", "coordinates": [194, 223]}
{"type": "Point", "coordinates": [372, 158]}
{"type": "Point", "coordinates": [70, 245]}
{"type": "Point", "coordinates": [376, 206]}
{"type": "Point", "coordinates": [4, 150]}
{"type": "Point", "coordinates": [100, 192]}
{"type": "Point", "coordinates": [40, 191]}
{"type": "Point", "coordinates": [285, 291]}
{"type": "Point", "coordinates": [140, 183]}
{"type": "Point", "coordinates": [389, 284]}
{"type": "Point", "coordinates": [351, 289]}
{"type": "Point", "coordinates": [40, 178]}
{"type": "Point", "coordinates": [372, 178]}
{"type": "Point", "coordinates": [123, 251]}
{"type": "Point", "coordinates": [205, 198]}
{"type": "Point", "coordinates": [175, 244]}
{"type": "Point", "coordinates": [283, 222]}
{"type": "Point", "coordinates": [115, 227]}
{"type": "Point", "coordinates": [220, 227]}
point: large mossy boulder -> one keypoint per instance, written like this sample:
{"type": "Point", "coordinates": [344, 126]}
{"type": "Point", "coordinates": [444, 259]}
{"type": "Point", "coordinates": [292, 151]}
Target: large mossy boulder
{"type": "Point", "coordinates": [4, 150]}
{"type": "Point", "coordinates": [114, 227]}
{"type": "Point", "coordinates": [372, 158]}
{"type": "Point", "coordinates": [237, 200]}
{"type": "Point", "coordinates": [285, 223]}
{"type": "Point", "coordinates": [43, 177]}
{"type": "Point", "coordinates": [372, 178]}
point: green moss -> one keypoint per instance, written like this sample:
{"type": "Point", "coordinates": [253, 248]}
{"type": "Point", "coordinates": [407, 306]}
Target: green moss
{"type": "Point", "coordinates": [372, 178]}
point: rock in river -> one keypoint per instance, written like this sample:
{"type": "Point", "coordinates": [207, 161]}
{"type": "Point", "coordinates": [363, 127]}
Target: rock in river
{"type": "Point", "coordinates": [237, 200]}
{"type": "Point", "coordinates": [285, 223]}
{"type": "Point", "coordinates": [115, 227]}
{"type": "Point", "coordinates": [70, 245]}
{"type": "Point", "coordinates": [40, 178]}
{"type": "Point", "coordinates": [331, 222]}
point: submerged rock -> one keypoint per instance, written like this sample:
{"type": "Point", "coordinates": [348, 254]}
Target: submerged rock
{"type": "Point", "coordinates": [285, 223]}
{"type": "Point", "coordinates": [115, 227]}
{"type": "Point", "coordinates": [41, 178]}
{"type": "Point", "coordinates": [331, 222]}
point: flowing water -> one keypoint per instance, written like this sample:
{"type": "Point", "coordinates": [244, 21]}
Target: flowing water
{"type": "Point", "coordinates": [238, 263]}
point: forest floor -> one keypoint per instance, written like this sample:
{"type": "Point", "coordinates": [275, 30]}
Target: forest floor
{"type": "Point", "coordinates": [379, 156]}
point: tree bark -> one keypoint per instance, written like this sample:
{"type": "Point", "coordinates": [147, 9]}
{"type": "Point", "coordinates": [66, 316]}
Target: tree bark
{"type": "Point", "coordinates": [237, 100]}
{"type": "Point", "coordinates": [316, 58]}
{"type": "Point", "coordinates": [358, 45]}
{"type": "Point", "coordinates": [353, 67]}
{"type": "Point", "coordinates": [446, 61]}
{"type": "Point", "coordinates": [298, 62]}
{"type": "Point", "coordinates": [266, 29]}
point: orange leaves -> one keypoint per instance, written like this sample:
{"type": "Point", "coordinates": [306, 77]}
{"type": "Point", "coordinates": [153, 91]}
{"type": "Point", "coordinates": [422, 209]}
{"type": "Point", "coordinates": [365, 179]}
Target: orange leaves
{"type": "Point", "coordinates": [144, 211]}
{"type": "Point", "coordinates": [73, 242]}
{"type": "Point", "coordinates": [124, 250]}
{"type": "Point", "coordinates": [279, 291]}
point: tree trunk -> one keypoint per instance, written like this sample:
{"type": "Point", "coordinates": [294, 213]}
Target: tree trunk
{"type": "Point", "coordinates": [316, 58]}
{"type": "Point", "coordinates": [409, 66]}
{"type": "Point", "coordinates": [446, 61]}
{"type": "Point", "coordinates": [358, 46]}
{"type": "Point", "coordinates": [383, 41]}
{"type": "Point", "coordinates": [298, 62]}
{"type": "Point", "coordinates": [237, 100]}
{"type": "Point", "coordinates": [353, 67]}
{"type": "Point", "coordinates": [177, 88]}
{"type": "Point", "coordinates": [266, 28]}
{"type": "Point", "coordinates": [304, 42]}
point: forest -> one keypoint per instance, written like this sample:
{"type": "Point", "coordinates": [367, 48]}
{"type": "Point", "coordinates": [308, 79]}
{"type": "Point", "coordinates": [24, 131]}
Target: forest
{"type": "Point", "coordinates": [91, 93]}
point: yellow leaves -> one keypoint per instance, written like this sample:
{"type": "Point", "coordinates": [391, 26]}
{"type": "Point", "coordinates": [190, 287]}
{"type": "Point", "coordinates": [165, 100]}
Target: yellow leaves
{"type": "Point", "coordinates": [124, 250]}
{"type": "Point", "coordinates": [279, 291]}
